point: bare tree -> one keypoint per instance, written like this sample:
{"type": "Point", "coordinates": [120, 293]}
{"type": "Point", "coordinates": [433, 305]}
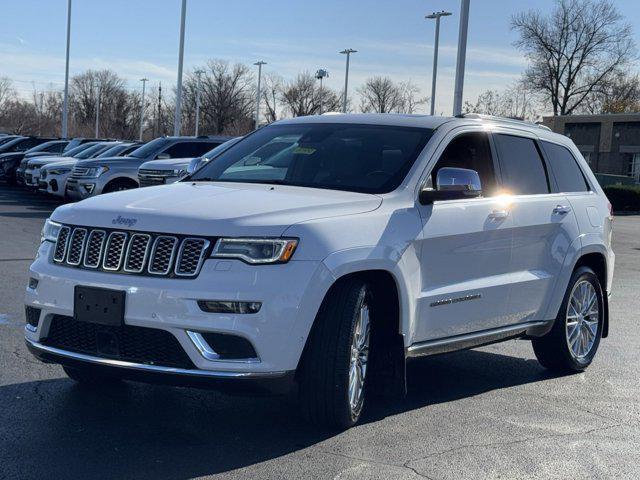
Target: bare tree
{"type": "Point", "coordinates": [573, 50]}
{"type": "Point", "coordinates": [619, 94]}
{"type": "Point", "coordinates": [271, 92]}
{"type": "Point", "coordinates": [303, 96]}
{"type": "Point", "coordinates": [380, 95]}
{"type": "Point", "coordinates": [6, 90]}
{"type": "Point", "coordinates": [513, 102]}
{"type": "Point", "coordinates": [227, 98]}
{"type": "Point", "coordinates": [410, 97]}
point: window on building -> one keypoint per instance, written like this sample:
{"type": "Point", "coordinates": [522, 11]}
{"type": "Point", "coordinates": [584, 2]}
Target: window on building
{"type": "Point", "coordinates": [523, 170]}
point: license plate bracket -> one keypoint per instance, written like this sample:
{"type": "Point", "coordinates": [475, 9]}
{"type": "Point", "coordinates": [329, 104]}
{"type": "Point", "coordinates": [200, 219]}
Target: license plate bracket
{"type": "Point", "coordinates": [99, 305]}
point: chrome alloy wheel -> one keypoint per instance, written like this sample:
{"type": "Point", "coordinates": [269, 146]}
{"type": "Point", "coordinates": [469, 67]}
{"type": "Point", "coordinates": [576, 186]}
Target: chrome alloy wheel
{"type": "Point", "coordinates": [359, 359]}
{"type": "Point", "coordinates": [583, 316]}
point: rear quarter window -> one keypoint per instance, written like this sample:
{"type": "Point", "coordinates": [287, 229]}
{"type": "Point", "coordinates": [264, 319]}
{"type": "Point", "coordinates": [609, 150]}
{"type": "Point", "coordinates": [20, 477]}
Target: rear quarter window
{"type": "Point", "coordinates": [565, 168]}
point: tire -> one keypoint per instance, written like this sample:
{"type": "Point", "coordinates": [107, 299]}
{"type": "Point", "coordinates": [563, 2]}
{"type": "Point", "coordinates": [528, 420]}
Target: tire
{"type": "Point", "coordinates": [90, 377]}
{"type": "Point", "coordinates": [561, 350]}
{"type": "Point", "coordinates": [119, 186]}
{"type": "Point", "coordinates": [332, 358]}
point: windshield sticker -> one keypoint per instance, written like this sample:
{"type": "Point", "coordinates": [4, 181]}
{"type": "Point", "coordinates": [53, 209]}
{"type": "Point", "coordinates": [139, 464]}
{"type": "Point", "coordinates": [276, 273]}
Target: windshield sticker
{"type": "Point", "coordinates": [304, 151]}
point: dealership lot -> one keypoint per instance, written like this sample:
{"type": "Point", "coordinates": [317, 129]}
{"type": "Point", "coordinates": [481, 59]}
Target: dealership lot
{"type": "Point", "coordinates": [491, 412]}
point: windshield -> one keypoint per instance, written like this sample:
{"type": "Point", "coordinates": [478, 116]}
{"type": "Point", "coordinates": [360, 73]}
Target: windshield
{"type": "Point", "coordinates": [14, 145]}
{"type": "Point", "coordinates": [7, 139]}
{"type": "Point", "coordinates": [342, 156]}
{"type": "Point", "coordinates": [92, 151]}
{"type": "Point", "coordinates": [115, 151]}
{"type": "Point", "coordinates": [48, 147]}
{"type": "Point", "coordinates": [150, 148]}
{"type": "Point", "coordinates": [221, 148]}
{"type": "Point", "coordinates": [80, 148]}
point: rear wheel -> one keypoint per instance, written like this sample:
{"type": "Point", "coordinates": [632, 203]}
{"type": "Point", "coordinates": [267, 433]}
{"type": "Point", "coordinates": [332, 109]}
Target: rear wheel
{"type": "Point", "coordinates": [334, 369]}
{"type": "Point", "coordinates": [89, 376]}
{"type": "Point", "coordinates": [574, 339]}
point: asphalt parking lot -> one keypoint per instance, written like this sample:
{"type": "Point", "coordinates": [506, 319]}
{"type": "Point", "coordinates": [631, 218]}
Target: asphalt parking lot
{"type": "Point", "coordinates": [486, 413]}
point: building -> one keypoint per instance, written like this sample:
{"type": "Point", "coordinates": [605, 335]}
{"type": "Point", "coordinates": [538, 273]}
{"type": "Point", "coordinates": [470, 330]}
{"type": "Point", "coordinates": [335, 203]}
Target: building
{"type": "Point", "coordinates": [610, 143]}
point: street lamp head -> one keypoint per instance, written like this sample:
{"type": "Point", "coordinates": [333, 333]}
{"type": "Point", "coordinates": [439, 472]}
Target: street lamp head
{"type": "Point", "coordinates": [321, 73]}
{"type": "Point", "coordinates": [144, 79]}
{"type": "Point", "coordinates": [260, 63]}
{"type": "Point", "coordinates": [347, 51]}
{"type": "Point", "coordinates": [435, 15]}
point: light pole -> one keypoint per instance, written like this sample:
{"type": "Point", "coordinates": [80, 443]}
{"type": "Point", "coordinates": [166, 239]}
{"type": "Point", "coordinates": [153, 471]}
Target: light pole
{"type": "Point", "coordinates": [65, 108]}
{"type": "Point", "coordinates": [462, 54]}
{"type": "Point", "coordinates": [436, 16]}
{"type": "Point", "coordinates": [198, 87]}
{"type": "Point", "coordinates": [144, 83]}
{"type": "Point", "coordinates": [177, 119]}
{"type": "Point", "coordinates": [97, 108]}
{"type": "Point", "coordinates": [259, 64]}
{"type": "Point", "coordinates": [320, 74]}
{"type": "Point", "coordinates": [348, 53]}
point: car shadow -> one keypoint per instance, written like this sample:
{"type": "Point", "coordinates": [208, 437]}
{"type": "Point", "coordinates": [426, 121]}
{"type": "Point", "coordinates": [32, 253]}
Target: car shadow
{"type": "Point", "coordinates": [56, 429]}
{"type": "Point", "coordinates": [37, 205]}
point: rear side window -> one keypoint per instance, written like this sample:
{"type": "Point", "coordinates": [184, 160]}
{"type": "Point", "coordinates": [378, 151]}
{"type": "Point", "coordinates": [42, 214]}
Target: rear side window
{"type": "Point", "coordinates": [565, 168]}
{"type": "Point", "coordinates": [523, 171]}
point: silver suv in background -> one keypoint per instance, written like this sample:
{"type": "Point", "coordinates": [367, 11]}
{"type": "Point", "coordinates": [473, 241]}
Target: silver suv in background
{"type": "Point", "coordinates": [104, 175]}
{"type": "Point", "coordinates": [163, 172]}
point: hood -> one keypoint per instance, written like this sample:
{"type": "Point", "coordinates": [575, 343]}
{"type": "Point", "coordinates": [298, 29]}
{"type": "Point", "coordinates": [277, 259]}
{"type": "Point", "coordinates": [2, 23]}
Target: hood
{"type": "Point", "coordinates": [214, 208]}
{"type": "Point", "coordinates": [63, 163]}
{"type": "Point", "coordinates": [41, 154]}
{"type": "Point", "coordinates": [169, 164]}
{"type": "Point", "coordinates": [39, 162]}
{"type": "Point", "coordinates": [10, 156]}
{"type": "Point", "coordinates": [96, 162]}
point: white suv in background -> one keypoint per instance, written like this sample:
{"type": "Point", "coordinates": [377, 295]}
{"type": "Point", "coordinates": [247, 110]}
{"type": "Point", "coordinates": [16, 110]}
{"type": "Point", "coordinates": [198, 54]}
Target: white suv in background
{"type": "Point", "coordinates": [368, 241]}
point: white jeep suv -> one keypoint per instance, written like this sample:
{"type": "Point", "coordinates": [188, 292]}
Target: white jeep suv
{"type": "Point", "coordinates": [326, 266]}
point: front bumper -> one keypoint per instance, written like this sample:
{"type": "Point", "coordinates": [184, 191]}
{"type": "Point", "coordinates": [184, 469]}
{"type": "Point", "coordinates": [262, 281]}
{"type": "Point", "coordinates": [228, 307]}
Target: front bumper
{"type": "Point", "coordinates": [79, 189]}
{"type": "Point", "coordinates": [290, 294]}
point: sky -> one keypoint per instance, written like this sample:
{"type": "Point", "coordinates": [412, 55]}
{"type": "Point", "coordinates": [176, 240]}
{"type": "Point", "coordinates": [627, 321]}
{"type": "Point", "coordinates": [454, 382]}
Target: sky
{"type": "Point", "coordinates": [139, 38]}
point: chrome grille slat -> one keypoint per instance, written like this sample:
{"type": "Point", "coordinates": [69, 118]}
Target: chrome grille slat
{"type": "Point", "coordinates": [93, 250]}
{"type": "Point", "coordinates": [131, 252]}
{"type": "Point", "coordinates": [191, 256]}
{"type": "Point", "coordinates": [76, 246]}
{"type": "Point", "coordinates": [137, 252]}
{"type": "Point", "coordinates": [162, 255]}
{"type": "Point", "coordinates": [61, 244]}
{"type": "Point", "coordinates": [114, 251]}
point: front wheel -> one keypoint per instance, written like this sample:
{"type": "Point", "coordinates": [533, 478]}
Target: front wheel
{"type": "Point", "coordinates": [334, 369]}
{"type": "Point", "coordinates": [574, 339]}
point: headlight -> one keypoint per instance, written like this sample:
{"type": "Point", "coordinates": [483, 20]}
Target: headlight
{"type": "Point", "coordinates": [50, 231]}
{"type": "Point", "coordinates": [256, 250]}
{"type": "Point", "coordinates": [179, 172]}
{"type": "Point", "coordinates": [95, 172]}
{"type": "Point", "coordinates": [57, 171]}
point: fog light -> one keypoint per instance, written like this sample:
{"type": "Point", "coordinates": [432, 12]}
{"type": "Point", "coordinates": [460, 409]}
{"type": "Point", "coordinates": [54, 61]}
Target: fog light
{"type": "Point", "coordinates": [33, 283]}
{"type": "Point", "coordinates": [88, 187]}
{"type": "Point", "coordinates": [223, 306]}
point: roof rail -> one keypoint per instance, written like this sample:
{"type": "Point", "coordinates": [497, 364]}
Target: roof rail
{"type": "Point", "coordinates": [494, 118]}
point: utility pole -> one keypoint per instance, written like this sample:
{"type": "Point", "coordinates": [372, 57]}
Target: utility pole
{"type": "Point", "coordinates": [436, 16]}
{"type": "Point", "coordinates": [462, 54]}
{"type": "Point", "coordinates": [348, 53]}
{"type": "Point", "coordinates": [320, 74]}
{"type": "Point", "coordinates": [159, 119]}
{"type": "Point", "coordinates": [65, 107]}
{"type": "Point", "coordinates": [144, 83]}
{"type": "Point", "coordinates": [97, 108]}
{"type": "Point", "coordinates": [198, 88]}
{"type": "Point", "coordinates": [177, 120]}
{"type": "Point", "coordinates": [259, 64]}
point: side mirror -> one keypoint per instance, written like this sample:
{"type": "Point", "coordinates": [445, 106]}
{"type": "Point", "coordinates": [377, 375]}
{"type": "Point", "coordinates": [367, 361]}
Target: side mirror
{"type": "Point", "coordinates": [453, 184]}
{"type": "Point", "coordinates": [196, 164]}
{"type": "Point", "coordinates": [163, 156]}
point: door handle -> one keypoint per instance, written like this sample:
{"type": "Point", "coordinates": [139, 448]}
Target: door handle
{"type": "Point", "coordinates": [561, 209]}
{"type": "Point", "coordinates": [499, 214]}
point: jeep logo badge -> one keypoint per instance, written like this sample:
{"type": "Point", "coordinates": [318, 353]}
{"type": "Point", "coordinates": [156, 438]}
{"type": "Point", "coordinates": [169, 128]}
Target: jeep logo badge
{"type": "Point", "coordinates": [120, 220]}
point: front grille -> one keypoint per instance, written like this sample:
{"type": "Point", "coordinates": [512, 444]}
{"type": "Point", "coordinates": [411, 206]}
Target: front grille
{"type": "Point", "coordinates": [149, 178]}
{"type": "Point", "coordinates": [28, 177]}
{"type": "Point", "coordinates": [137, 253]}
{"type": "Point", "coordinates": [155, 173]}
{"type": "Point", "coordinates": [149, 346]}
{"type": "Point", "coordinates": [43, 174]}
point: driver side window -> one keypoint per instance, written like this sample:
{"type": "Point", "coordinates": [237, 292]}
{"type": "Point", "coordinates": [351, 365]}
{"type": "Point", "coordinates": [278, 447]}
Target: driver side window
{"type": "Point", "coordinates": [470, 151]}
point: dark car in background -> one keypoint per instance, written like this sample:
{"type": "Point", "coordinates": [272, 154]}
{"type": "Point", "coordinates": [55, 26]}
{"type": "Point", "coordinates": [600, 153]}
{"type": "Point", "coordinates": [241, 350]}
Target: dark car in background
{"type": "Point", "coordinates": [10, 161]}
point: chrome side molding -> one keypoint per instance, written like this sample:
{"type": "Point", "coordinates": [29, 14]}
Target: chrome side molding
{"type": "Point", "coordinates": [471, 340]}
